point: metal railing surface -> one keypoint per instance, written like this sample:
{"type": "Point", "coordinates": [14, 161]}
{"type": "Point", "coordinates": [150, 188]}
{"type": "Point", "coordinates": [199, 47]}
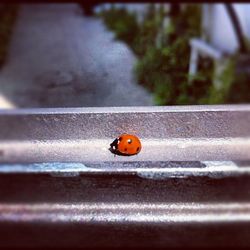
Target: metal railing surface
{"type": "Point", "coordinates": [123, 210]}
{"type": "Point", "coordinates": [189, 186]}
{"type": "Point", "coordinates": [186, 133]}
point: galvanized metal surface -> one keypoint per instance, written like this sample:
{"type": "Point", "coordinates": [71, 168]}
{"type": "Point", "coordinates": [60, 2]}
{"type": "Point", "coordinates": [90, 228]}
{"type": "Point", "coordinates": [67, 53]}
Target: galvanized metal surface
{"type": "Point", "coordinates": [126, 213]}
{"type": "Point", "coordinates": [148, 170]}
{"type": "Point", "coordinates": [61, 186]}
{"type": "Point", "coordinates": [123, 210]}
{"type": "Point", "coordinates": [191, 133]}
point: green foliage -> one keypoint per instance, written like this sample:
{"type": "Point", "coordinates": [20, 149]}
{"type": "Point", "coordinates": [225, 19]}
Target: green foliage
{"type": "Point", "coordinates": [239, 91]}
{"type": "Point", "coordinates": [164, 69]}
{"type": "Point", "coordinates": [233, 83]}
{"type": "Point", "coordinates": [163, 73]}
{"type": "Point", "coordinates": [7, 17]}
{"type": "Point", "coordinates": [148, 31]}
{"type": "Point", "coordinates": [199, 85]}
{"type": "Point", "coordinates": [123, 23]}
{"type": "Point", "coordinates": [218, 94]}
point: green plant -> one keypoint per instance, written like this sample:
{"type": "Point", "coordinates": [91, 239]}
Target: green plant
{"type": "Point", "coordinates": [148, 30]}
{"type": "Point", "coordinates": [122, 22]}
{"type": "Point", "coordinates": [218, 93]}
{"type": "Point", "coordinates": [238, 78]}
{"type": "Point", "coordinates": [231, 85]}
{"type": "Point", "coordinates": [165, 70]}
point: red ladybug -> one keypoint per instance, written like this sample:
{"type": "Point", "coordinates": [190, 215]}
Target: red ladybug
{"type": "Point", "coordinates": [126, 144]}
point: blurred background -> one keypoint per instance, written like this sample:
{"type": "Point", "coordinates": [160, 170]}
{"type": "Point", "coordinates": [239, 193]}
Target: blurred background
{"type": "Point", "coordinates": [106, 54]}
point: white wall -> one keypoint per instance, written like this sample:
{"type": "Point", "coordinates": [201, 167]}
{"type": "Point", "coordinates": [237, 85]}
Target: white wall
{"type": "Point", "coordinates": [218, 27]}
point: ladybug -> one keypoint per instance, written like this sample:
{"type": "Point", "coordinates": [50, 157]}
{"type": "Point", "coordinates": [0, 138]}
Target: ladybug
{"type": "Point", "coordinates": [126, 144]}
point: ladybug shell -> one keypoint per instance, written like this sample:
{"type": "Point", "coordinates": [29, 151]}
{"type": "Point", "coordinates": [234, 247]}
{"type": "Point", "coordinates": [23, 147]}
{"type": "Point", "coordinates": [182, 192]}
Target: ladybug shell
{"type": "Point", "coordinates": [128, 144]}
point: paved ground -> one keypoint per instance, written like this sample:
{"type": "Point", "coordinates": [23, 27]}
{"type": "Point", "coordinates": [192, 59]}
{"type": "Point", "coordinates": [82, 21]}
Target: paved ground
{"type": "Point", "coordinates": [59, 58]}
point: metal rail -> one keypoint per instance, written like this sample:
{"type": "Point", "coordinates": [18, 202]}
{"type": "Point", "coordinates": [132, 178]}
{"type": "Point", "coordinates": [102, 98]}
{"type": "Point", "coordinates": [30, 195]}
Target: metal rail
{"type": "Point", "coordinates": [126, 213]}
{"type": "Point", "coordinates": [187, 133]}
{"type": "Point", "coordinates": [123, 210]}
{"type": "Point", "coordinates": [141, 200]}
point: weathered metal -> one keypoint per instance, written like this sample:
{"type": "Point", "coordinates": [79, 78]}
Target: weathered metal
{"type": "Point", "coordinates": [61, 186]}
{"type": "Point", "coordinates": [108, 210]}
{"type": "Point", "coordinates": [187, 133]}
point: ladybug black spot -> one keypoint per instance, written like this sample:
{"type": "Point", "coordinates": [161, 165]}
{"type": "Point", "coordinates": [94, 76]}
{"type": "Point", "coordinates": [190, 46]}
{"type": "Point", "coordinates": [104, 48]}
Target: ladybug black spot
{"type": "Point", "coordinates": [129, 141]}
{"type": "Point", "coordinates": [125, 149]}
{"type": "Point", "coordinates": [137, 149]}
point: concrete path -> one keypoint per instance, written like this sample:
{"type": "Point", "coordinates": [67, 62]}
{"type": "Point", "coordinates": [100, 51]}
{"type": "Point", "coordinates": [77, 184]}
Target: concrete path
{"type": "Point", "coordinates": [59, 58]}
